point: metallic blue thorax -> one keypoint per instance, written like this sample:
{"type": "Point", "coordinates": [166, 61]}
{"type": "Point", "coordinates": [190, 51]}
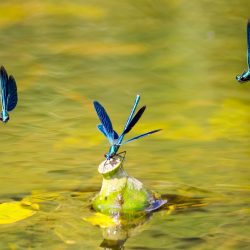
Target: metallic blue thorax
{"type": "Point", "coordinates": [112, 151]}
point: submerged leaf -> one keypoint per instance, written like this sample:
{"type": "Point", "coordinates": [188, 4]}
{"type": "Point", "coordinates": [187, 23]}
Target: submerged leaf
{"type": "Point", "coordinates": [11, 212]}
{"type": "Point", "coordinates": [39, 197]}
{"type": "Point", "coordinates": [101, 220]}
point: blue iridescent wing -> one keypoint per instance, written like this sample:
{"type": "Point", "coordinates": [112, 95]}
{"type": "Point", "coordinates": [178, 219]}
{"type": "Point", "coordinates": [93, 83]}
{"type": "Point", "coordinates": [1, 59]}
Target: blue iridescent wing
{"type": "Point", "coordinates": [4, 81]}
{"type": "Point", "coordinates": [116, 136]}
{"type": "Point", "coordinates": [137, 99]}
{"type": "Point", "coordinates": [248, 44]}
{"type": "Point", "coordinates": [11, 94]}
{"type": "Point", "coordinates": [140, 136]}
{"type": "Point", "coordinates": [102, 130]}
{"type": "Point", "coordinates": [106, 122]}
{"type": "Point", "coordinates": [134, 120]}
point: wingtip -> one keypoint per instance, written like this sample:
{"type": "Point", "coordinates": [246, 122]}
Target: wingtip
{"type": "Point", "coordinates": [12, 78]}
{"type": "Point", "coordinates": [3, 70]}
{"type": "Point", "coordinates": [2, 67]}
{"type": "Point", "coordinates": [248, 24]}
{"type": "Point", "coordinates": [95, 105]}
{"type": "Point", "coordinates": [137, 97]}
{"type": "Point", "coordinates": [157, 130]}
{"type": "Point", "coordinates": [143, 108]}
{"type": "Point", "coordinates": [95, 102]}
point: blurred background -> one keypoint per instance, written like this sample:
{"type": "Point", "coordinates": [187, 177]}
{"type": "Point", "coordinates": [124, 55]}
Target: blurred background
{"type": "Point", "coordinates": [182, 58]}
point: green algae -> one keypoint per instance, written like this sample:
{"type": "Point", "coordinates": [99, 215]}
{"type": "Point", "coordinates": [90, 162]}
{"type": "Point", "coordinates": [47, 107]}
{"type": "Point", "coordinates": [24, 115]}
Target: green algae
{"type": "Point", "coordinates": [120, 193]}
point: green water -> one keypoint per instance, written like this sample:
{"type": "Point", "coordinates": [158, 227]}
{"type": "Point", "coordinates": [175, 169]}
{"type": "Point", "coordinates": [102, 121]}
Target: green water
{"type": "Point", "coordinates": [182, 58]}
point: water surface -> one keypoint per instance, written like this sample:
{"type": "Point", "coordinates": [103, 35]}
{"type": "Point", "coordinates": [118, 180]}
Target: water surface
{"type": "Point", "coordinates": [182, 58]}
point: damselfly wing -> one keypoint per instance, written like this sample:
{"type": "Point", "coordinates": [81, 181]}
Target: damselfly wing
{"type": "Point", "coordinates": [106, 127]}
{"type": "Point", "coordinates": [8, 94]}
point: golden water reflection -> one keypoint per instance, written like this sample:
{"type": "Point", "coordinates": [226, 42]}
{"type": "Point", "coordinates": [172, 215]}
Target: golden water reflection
{"type": "Point", "coordinates": [182, 58]}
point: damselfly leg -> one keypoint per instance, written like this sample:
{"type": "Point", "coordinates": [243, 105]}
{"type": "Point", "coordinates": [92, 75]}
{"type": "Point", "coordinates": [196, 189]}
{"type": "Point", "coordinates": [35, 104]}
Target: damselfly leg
{"type": "Point", "coordinates": [120, 157]}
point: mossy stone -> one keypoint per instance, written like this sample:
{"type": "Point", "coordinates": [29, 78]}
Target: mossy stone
{"type": "Point", "coordinates": [120, 193]}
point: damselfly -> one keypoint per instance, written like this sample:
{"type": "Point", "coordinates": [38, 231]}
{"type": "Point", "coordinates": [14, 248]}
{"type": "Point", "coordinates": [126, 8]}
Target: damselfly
{"type": "Point", "coordinates": [245, 76]}
{"type": "Point", "coordinates": [8, 94]}
{"type": "Point", "coordinates": [107, 130]}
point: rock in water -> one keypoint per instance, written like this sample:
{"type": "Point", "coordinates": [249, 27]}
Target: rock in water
{"type": "Point", "coordinates": [121, 194]}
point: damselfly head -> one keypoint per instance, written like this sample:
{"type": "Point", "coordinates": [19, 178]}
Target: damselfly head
{"type": "Point", "coordinates": [242, 77]}
{"type": "Point", "coordinates": [4, 118]}
{"type": "Point", "coordinates": [238, 78]}
{"type": "Point", "coordinates": [109, 156]}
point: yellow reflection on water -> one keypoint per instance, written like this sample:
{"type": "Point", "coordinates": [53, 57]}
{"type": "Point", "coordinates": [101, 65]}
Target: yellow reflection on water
{"type": "Point", "coordinates": [182, 57]}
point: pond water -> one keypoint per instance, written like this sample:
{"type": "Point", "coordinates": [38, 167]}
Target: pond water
{"type": "Point", "coordinates": [182, 58]}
